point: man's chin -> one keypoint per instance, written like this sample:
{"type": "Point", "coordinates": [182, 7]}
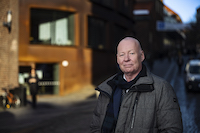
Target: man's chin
{"type": "Point", "coordinates": [127, 72]}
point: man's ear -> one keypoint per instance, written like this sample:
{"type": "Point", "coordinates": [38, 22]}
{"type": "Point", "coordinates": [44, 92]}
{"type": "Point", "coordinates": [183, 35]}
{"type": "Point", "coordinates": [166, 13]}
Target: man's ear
{"type": "Point", "coordinates": [142, 56]}
{"type": "Point", "coordinates": [117, 59]}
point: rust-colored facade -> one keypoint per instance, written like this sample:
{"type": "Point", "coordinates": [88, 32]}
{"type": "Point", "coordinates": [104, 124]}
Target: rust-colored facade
{"type": "Point", "coordinates": [96, 27]}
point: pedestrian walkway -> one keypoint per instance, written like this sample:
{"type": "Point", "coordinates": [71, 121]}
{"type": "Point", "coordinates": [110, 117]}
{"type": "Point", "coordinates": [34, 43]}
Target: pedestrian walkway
{"type": "Point", "coordinates": [48, 107]}
{"type": "Point", "coordinates": [71, 98]}
{"type": "Point", "coordinates": [163, 67]}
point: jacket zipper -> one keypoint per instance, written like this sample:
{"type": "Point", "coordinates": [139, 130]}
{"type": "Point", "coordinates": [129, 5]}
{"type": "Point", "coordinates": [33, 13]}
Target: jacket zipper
{"type": "Point", "coordinates": [134, 109]}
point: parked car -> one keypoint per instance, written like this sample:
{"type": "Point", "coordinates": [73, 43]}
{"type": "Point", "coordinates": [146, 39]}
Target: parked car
{"type": "Point", "coordinates": [192, 75]}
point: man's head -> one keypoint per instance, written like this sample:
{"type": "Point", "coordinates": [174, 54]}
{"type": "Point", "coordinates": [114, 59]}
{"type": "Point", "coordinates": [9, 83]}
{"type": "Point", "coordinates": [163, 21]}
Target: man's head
{"type": "Point", "coordinates": [130, 56]}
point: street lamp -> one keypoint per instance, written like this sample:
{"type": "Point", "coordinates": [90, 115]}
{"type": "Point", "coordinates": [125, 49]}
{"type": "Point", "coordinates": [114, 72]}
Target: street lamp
{"type": "Point", "coordinates": [65, 63]}
{"type": "Point", "coordinates": [9, 21]}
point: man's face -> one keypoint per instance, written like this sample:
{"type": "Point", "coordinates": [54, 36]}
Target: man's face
{"type": "Point", "coordinates": [129, 57]}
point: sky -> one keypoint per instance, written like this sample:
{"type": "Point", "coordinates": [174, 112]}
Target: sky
{"type": "Point", "coordinates": [186, 9]}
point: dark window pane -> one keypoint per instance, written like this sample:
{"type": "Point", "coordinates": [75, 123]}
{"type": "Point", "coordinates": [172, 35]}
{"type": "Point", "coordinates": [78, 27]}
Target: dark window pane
{"type": "Point", "coordinates": [51, 27]}
{"type": "Point", "coordinates": [96, 33]}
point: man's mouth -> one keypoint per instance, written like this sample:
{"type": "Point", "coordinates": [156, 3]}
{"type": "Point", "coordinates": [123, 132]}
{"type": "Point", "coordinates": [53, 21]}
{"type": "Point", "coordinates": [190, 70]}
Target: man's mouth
{"type": "Point", "coordinates": [128, 65]}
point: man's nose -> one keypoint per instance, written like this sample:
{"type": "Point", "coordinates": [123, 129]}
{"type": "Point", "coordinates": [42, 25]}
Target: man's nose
{"type": "Point", "coordinates": [126, 57]}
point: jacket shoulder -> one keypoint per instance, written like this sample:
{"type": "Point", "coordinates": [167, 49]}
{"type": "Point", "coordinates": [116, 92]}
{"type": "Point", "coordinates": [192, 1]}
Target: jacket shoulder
{"type": "Point", "coordinates": [160, 81]}
{"type": "Point", "coordinates": [104, 86]}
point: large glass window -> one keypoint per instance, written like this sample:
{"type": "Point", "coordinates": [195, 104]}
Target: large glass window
{"type": "Point", "coordinates": [48, 75]}
{"type": "Point", "coordinates": [96, 33]}
{"type": "Point", "coordinates": [51, 27]}
{"type": "Point", "coordinates": [119, 33]}
{"type": "Point", "coordinates": [123, 6]}
{"type": "Point", "coordinates": [107, 3]}
{"type": "Point", "coordinates": [159, 7]}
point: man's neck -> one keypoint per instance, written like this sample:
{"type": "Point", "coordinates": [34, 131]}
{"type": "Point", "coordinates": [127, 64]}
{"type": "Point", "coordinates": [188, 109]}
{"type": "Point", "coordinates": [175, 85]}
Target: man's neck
{"type": "Point", "coordinates": [129, 77]}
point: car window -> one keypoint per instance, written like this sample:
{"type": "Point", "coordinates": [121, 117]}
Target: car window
{"type": "Point", "coordinates": [194, 69]}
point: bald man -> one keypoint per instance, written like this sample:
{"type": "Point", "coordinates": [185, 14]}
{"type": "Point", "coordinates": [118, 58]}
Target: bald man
{"type": "Point", "coordinates": [135, 100]}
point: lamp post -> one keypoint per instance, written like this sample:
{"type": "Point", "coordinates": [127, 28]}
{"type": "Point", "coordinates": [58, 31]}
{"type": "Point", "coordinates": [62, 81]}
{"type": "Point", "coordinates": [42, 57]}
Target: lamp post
{"type": "Point", "coordinates": [9, 21]}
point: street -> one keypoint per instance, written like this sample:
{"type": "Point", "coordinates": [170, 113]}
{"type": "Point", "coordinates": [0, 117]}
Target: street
{"type": "Point", "coordinates": [189, 102]}
{"type": "Point", "coordinates": [75, 116]}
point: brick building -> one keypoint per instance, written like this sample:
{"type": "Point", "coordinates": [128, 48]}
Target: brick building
{"type": "Point", "coordinates": [70, 43]}
{"type": "Point", "coordinates": [9, 45]}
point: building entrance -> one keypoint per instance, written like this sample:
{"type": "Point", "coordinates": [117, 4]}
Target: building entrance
{"type": "Point", "coordinates": [48, 73]}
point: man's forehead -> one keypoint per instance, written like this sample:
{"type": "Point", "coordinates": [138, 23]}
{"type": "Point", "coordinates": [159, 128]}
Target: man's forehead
{"type": "Point", "coordinates": [127, 45]}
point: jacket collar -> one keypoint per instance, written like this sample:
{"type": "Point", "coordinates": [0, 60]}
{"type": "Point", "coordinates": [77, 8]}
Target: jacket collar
{"type": "Point", "coordinates": [143, 84]}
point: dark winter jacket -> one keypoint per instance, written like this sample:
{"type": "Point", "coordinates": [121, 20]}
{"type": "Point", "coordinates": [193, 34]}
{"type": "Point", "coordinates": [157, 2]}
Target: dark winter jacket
{"type": "Point", "coordinates": [155, 109]}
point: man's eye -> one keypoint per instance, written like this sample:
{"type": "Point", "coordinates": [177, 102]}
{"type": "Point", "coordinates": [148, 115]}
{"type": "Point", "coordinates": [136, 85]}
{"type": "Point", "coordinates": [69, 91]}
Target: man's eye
{"type": "Point", "coordinates": [131, 53]}
{"type": "Point", "coordinates": [121, 55]}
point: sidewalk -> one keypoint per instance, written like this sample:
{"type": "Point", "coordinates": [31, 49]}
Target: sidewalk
{"type": "Point", "coordinates": [164, 68]}
{"type": "Point", "coordinates": [71, 98]}
{"type": "Point", "coordinates": [48, 107]}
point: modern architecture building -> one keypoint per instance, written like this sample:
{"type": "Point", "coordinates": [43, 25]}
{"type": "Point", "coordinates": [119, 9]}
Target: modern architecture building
{"type": "Point", "coordinates": [70, 43]}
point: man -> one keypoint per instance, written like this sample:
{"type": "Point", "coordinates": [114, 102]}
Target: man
{"type": "Point", "coordinates": [33, 84]}
{"type": "Point", "coordinates": [135, 100]}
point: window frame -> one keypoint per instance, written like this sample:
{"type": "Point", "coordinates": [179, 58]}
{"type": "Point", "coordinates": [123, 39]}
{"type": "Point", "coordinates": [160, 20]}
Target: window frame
{"type": "Point", "coordinates": [71, 29]}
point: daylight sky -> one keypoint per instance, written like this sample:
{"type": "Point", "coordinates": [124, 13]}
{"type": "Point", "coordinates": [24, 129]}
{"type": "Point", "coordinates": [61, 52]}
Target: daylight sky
{"type": "Point", "coordinates": [186, 9]}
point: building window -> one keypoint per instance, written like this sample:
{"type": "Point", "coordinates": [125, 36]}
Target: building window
{"type": "Point", "coordinates": [119, 33]}
{"type": "Point", "coordinates": [107, 3]}
{"type": "Point", "coordinates": [123, 6]}
{"type": "Point", "coordinates": [96, 33]}
{"type": "Point", "coordinates": [159, 7]}
{"type": "Point", "coordinates": [51, 27]}
{"type": "Point", "coordinates": [98, 1]}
